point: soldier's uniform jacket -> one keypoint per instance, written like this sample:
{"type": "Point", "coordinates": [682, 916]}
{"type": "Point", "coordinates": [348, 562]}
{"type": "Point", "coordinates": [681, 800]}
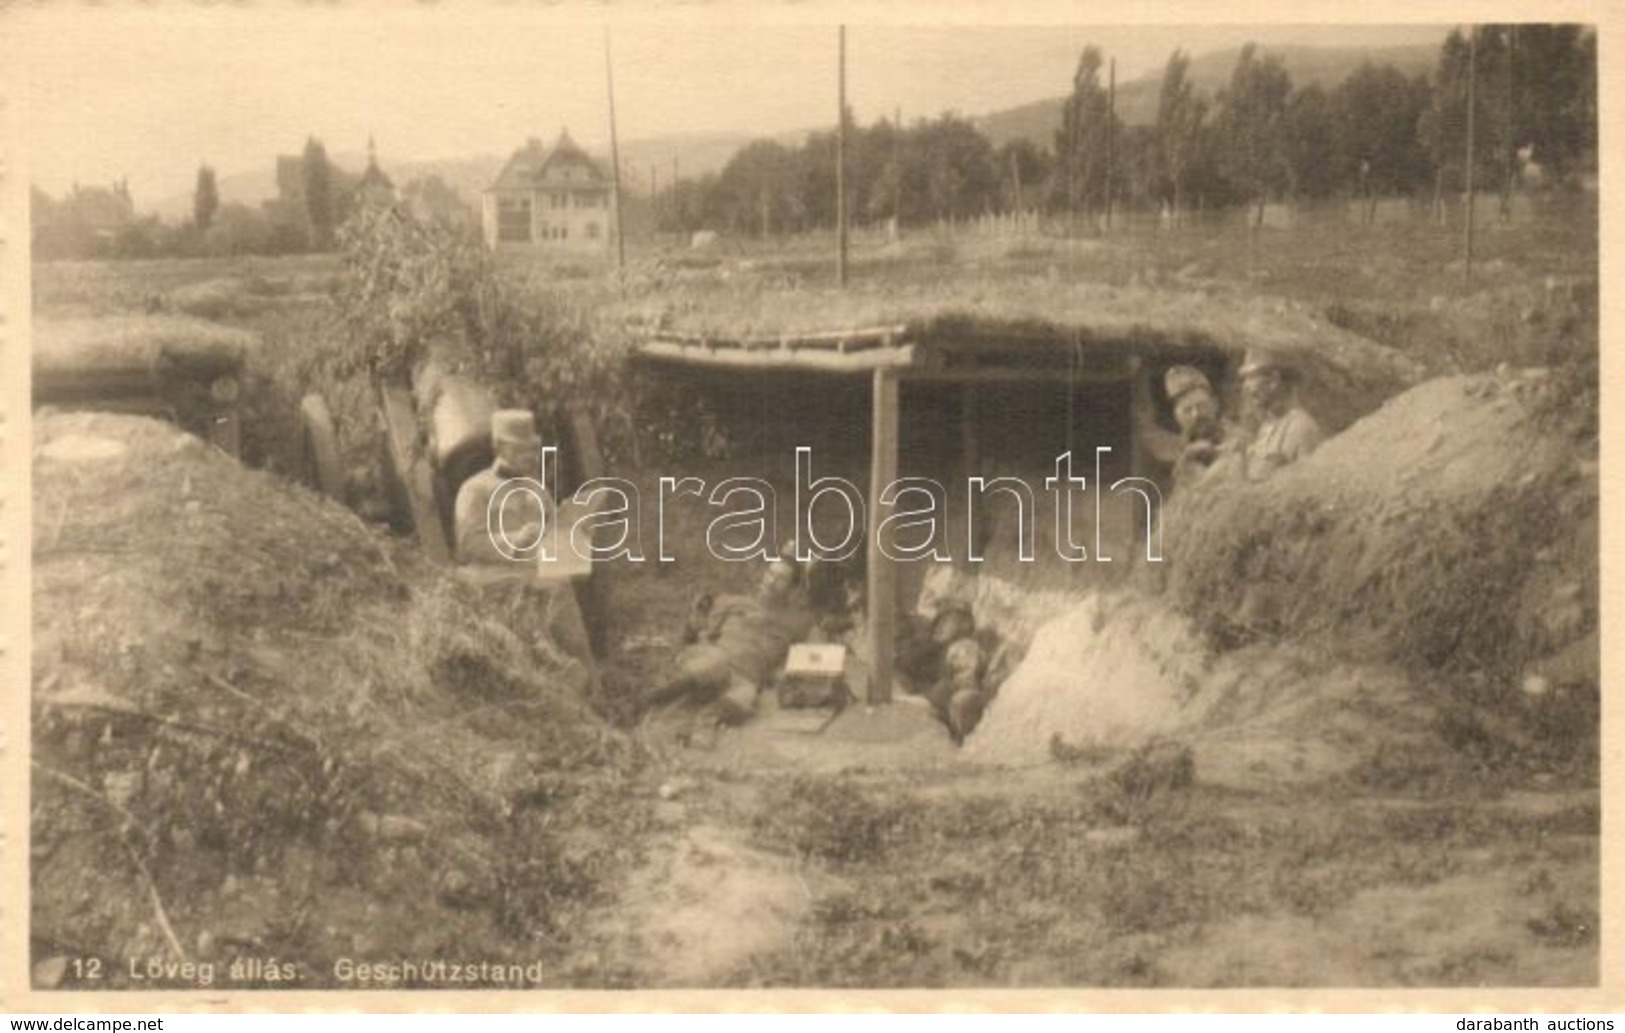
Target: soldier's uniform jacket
{"type": "Point", "coordinates": [1188, 469]}
{"type": "Point", "coordinates": [1285, 439]}
{"type": "Point", "coordinates": [755, 633]}
{"type": "Point", "coordinates": [477, 541]}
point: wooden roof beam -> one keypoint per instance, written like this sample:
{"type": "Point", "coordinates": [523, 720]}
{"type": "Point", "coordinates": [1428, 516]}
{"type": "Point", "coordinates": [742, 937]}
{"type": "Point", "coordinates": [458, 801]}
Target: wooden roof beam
{"type": "Point", "coordinates": [812, 360]}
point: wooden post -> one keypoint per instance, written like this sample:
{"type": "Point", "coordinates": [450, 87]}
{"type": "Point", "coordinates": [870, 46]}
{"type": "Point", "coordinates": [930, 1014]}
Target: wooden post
{"type": "Point", "coordinates": [614, 162]}
{"type": "Point", "coordinates": [840, 169]}
{"type": "Point", "coordinates": [1472, 76]}
{"type": "Point", "coordinates": [1140, 410]}
{"type": "Point", "coordinates": [1510, 128]}
{"type": "Point", "coordinates": [897, 186]}
{"type": "Point", "coordinates": [412, 467]}
{"type": "Point", "coordinates": [593, 592]}
{"type": "Point", "coordinates": [1072, 166]}
{"type": "Point", "coordinates": [970, 459]}
{"type": "Point", "coordinates": [882, 571]}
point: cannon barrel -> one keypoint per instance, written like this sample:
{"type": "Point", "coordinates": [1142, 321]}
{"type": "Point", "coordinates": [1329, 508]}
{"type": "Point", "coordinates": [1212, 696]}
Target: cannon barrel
{"type": "Point", "coordinates": [459, 424]}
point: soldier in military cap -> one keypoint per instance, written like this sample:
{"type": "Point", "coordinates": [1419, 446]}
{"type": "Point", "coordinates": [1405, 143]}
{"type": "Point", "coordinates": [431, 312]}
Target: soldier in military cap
{"type": "Point", "coordinates": [1204, 432]}
{"type": "Point", "coordinates": [1286, 432]}
{"type": "Point", "coordinates": [737, 645]}
{"type": "Point", "coordinates": [522, 513]}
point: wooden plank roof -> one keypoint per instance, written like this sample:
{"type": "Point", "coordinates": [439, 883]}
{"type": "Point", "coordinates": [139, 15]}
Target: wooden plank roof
{"type": "Point", "coordinates": [1023, 319]}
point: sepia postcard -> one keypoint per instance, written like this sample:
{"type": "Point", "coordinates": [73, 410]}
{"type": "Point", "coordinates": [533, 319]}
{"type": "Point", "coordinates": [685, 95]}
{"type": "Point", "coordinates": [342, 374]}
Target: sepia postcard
{"type": "Point", "coordinates": [807, 506]}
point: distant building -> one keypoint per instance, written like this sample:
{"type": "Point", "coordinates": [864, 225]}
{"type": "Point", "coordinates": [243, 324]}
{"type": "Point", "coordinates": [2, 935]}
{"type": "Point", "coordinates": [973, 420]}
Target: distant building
{"type": "Point", "coordinates": [544, 198]}
{"type": "Point", "coordinates": [375, 187]}
{"type": "Point", "coordinates": [85, 223]}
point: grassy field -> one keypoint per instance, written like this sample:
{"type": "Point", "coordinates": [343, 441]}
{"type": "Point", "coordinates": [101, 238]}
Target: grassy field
{"type": "Point", "coordinates": [1085, 886]}
{"type": "Point", "coordinates": [1474, 868]}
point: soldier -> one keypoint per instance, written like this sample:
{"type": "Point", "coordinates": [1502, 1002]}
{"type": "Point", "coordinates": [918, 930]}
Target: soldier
{"type": "Point", "coordinates": [524, 512]}
{"type": "Point", "coordinates": [961, 696]}
{"type": "Point", "coordinates": [1203, 433]}
{"type": "Point", "coordinates": [738, 643]}
{"type": "Point", "coordinates": [1286, 433]}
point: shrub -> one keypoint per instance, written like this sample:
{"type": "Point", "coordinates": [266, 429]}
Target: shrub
{"type": "Point", "coordinates": [419, 290]}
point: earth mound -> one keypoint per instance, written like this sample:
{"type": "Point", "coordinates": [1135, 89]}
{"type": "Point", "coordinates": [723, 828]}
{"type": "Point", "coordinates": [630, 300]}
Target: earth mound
{"type": "Point", "coordinates": [1378, 598]}
{"type": "Point", "coordinates": [261, 731]}
{"type": "Point", "coordinates": [1455, 529]}
{"type": "Point", "coordinates": [1119, 671]}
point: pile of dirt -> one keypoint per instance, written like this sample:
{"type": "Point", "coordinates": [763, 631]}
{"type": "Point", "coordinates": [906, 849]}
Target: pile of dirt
{"type": "Point", "coordinates": [1428, 578]}
{"type": "Point", "coordinates": [261, 730]}
{"type": "Point", "coordinates": [1107, 672]}
{"type": "Point", "coordinates": [1453, 530]}
{"type": "Point", "coordinates": [1119, 671]}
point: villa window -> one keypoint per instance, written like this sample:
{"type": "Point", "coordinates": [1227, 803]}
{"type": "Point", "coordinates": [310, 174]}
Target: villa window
{"type": "Point", "coordinates": [513, 220]}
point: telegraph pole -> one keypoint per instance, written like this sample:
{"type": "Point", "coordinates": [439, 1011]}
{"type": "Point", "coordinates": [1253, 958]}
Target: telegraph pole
{"type": "Point", "coordinates": [897, 186]}
{"type": "Point", "coordinates": [1472, 77]}
{"type": "Point", "coordinates": [840, 169]}
{"type": "Point", "coordinates": [1511, 120]}
{"type": "Point", "coordinates": [614, 161]}
{"type": "Point", "coordinates": [1076, 108]}
{"type": "Point", "coordinates": [1111, 136]}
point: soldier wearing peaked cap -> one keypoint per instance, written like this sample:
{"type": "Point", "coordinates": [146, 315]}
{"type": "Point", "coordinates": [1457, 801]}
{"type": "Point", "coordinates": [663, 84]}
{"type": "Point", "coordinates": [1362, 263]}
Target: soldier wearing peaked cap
{"type": "Point", "coordinates": [522, 512]}
{"type": "Point", "coordinates": [737, 644]}
{"type": "Point", "coordinates": [1286, 433]}
{"type": "Point", "coordinates": [1204, 435]}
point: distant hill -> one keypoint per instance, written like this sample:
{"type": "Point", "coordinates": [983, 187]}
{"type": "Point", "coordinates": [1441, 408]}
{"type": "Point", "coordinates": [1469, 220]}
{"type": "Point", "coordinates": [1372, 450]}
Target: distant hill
{"type": "Point", "coordinates": [1137, 98]}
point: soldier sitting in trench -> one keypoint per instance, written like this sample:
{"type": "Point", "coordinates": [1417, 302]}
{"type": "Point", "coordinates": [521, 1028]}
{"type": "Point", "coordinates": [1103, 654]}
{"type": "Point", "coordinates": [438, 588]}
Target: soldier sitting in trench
{"type": "Point", "coordinates": [1286, 432]}
{"type": "Point", "coordinates": [737, 645]}
{"type": "Point", "coordinates": [1211, 448]}
{"type": "Point", "coordinates": [954, 665]}
{"type": "Point", "coordinates": [514, 531]}
{"type": "Point", "coordinates": [1204, 435]}
{"type": "Point", "coordinates": [959, 695]}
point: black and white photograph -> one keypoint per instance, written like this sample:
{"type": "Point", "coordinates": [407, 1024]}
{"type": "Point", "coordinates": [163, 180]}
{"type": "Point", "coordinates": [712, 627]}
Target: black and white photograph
{"type": "Point", "coordinates": [536, 498]}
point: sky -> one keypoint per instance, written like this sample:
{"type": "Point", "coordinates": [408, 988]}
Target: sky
{"type": "Point", "coordinates": [150, 92]}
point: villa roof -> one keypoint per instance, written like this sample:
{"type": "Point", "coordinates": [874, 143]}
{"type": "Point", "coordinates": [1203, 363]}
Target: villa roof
{"type": "Point", "coordinates": [535, 165]}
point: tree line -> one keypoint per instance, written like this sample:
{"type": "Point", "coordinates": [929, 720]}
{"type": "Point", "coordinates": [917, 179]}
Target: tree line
{"type": "Point", "coordinates": [1260, 138]}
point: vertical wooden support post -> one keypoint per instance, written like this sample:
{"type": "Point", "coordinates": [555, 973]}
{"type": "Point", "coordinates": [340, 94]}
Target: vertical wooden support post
{"type": "Point", "coordinates": [970, 458]}
{"type": "Point", "coordinates": [882, 571]}
{"type": "Point", "coordinates": [592, 593]}
{"type": "Point", "coordinates": [1139, 412]}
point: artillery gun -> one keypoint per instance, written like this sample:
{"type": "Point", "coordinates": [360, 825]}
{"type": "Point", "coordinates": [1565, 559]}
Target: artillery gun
{"type": "Point", "coordinates": [436, 435]}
